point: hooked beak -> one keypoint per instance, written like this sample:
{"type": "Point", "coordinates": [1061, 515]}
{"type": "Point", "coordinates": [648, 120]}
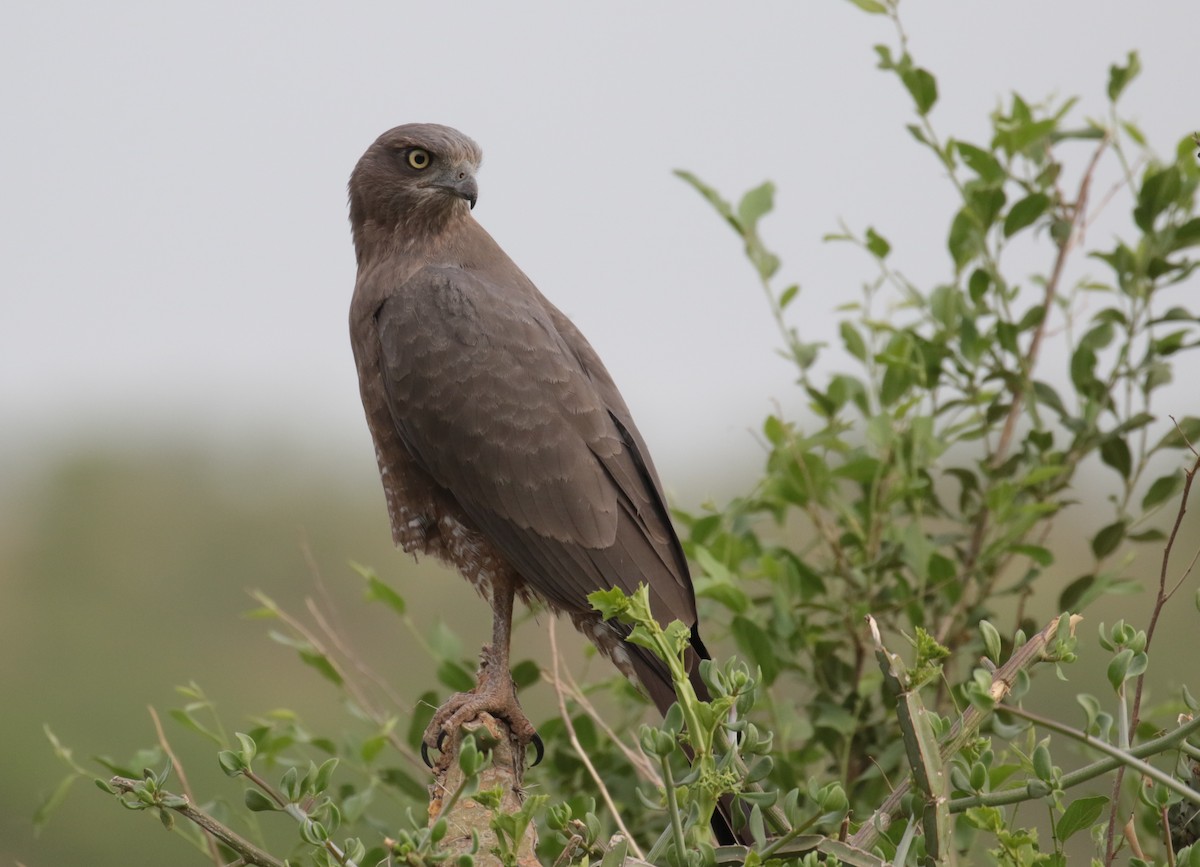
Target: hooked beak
{"type": "Point", "coordinates": [463, 185]}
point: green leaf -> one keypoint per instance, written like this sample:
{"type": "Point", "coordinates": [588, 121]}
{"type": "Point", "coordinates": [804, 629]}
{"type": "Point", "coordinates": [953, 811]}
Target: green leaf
{"type": "Point", "coordinates": [1187, 432]}
{"type": "Point", "coordinates": [862, 469]}
{"type": "Point", "coordinates": [1036, 553]}
{"type": "Point", "coordinates": [853, 341]}
{"type": "Point", "coordinates": [757, 646]}
{"type": "Point", "coordinates": [991, 640]}
{"type": "Point", "coordinates": [1083, 366]}
{"type": "Point", "coordinates": [1118, 669]}
{"type": "Point", "coordinates": [1048, 397]}
{"type": "Point", "coordinates": [1099, 336]}
{"type": "Point", "coordinates": [423, 710]}
{"type": "Point", "coordinates": [322, 664]}
{"type": "Point", "coordinates": [1079, 815]}
{"type": "Point", "coordinates": [526, 673]}
{"type": "Point", "coordinates": [714, 198]}
{"type": "Point", "coordinates": [1115, 452]}
{"type": "Point", "coordinates": [53, 801]}
{"type": "Point", "coordinates": [1120, 76]}
{"type": "Point", "coordinates": [871, 7]}
{"type": "Point", "coordinates": [1074, 594]}
{"type": "Point", "coordinates": [185, 717]}
{"type": "Point", "coordinates": [1163, 488]}
{"type": "Point", "coordinates": [964, 240]}
{"type": "Point", "coordinates": [919, 134]}
{"type": "Point", "coordinates": [455, 676]}
{"type": "Point", "coordinates": [1107, 540]}
{"type": "Point", "coordinates": [1187, 235]}
{"type": "Point", "coordinates": [443, 643]}
{"type": "Point", "coordinates": [257, 802]}
{"type": "Point", "coordinates": [1160, 187]}
{"type": "Point", "coordinates": [378, 591]}
{"type": "Point", "coordinates": [372, 747]}
{"type": "Point", "coordinates": [610, 603]}
{"type": "Point", "coordinates": [986, 203]}
{"type": "Point", "coordinates": [231, 763]}
{"type": "Point", "coordinates": [1043, 767]}
{"type": "Point", "coordinates": [982, 162]}
{"type": "Point", "coordinates": [1025, 212]}
{"type": "Point", "coordinates": [945, 305]}
{"type": "Point", "coordinates": [877, 244]}
{"type": "Point", "coordinates": [1134, 132]}
{"type": "Point", "coordinates": [923, 87]}
{"type": "Point", "coordinates": [755, 204]}
{"type": "Point", "coordinates": [249, 747]}
{"type": "Point", "coordinates": [729, 595]}
{"type": "Point", "coordinates": [1020, 134]}
{"type": "Point", "coordinates": [1152, 535]}
{"type": "Point", "coordinates": [978, 285]}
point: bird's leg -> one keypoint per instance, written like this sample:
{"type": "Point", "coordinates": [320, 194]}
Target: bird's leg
{"type": "Point", "coordinates": [494, 691]}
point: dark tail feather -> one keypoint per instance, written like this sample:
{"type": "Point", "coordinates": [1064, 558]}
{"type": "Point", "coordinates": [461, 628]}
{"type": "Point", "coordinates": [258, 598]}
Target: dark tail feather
{"type": "Point", "coordinates": [656, 681]}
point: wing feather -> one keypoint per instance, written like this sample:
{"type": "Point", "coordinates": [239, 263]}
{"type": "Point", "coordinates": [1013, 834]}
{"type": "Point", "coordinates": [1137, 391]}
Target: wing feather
{"type": "Point", "coordinates": [500, 399]}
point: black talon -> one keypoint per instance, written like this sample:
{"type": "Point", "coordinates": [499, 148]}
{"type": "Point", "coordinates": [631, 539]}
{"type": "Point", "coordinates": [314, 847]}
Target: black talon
{"type": "Point", "coordinates": [539, 749]}
{"type": "Point", "coordinates": [425, 748]}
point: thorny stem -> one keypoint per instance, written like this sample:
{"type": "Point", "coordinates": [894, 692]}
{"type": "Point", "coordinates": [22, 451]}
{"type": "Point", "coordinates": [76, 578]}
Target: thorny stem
{"type": "Point", "coordinates": [1003, 679]}
{"type": "Point", "coordinates": [1159, 604]}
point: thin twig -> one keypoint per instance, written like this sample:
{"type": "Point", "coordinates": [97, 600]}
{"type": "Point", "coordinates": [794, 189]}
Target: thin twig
{"type": "Point", "coordinates": [213, 852]}
{"type": "Point", "coordinates": [1028, 363]}
{"type": "Point", "coordinates": [348, 653]}
{"type": "Point", "coordinates": [249, 853]}
{"type": "Point", "coordinates": [1078, 219]}
{"type": "Point", "coordinates": [1159, 604]}
{"type": "Point", "coordinates": [1165, 820]}
{"type": "Point", "coordinates": [349, 684]}
{"type": "Point", "coordinates": [565, 681]}
{"type": "Point", "coordinates": [580, 751]}
{"type": "Point", "coordinates": [333, 630]}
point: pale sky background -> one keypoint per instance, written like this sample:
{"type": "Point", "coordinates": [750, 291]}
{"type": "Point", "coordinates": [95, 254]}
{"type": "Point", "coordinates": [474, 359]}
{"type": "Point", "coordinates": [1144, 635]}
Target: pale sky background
{"type": "Point", "coordinates": [174, 252]}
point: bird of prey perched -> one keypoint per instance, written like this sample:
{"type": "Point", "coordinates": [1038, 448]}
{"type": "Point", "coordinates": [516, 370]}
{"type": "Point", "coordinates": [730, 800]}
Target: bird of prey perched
{"type": "Point", "coordinates": [504, 447]}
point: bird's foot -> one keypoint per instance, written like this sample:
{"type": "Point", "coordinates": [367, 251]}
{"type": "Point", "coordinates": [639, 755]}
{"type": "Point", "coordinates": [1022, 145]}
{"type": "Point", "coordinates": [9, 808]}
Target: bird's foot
{"type": "Point", "coordinates": [494, 693]}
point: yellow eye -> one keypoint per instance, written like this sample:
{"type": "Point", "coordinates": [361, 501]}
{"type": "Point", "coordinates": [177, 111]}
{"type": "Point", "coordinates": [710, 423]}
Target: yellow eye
{"type": "Point", "coordinates": [418, 158]}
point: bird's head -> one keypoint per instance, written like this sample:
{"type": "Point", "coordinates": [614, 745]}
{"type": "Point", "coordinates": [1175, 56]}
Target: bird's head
{"type": "Point", "coordinates": [414, 178]}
